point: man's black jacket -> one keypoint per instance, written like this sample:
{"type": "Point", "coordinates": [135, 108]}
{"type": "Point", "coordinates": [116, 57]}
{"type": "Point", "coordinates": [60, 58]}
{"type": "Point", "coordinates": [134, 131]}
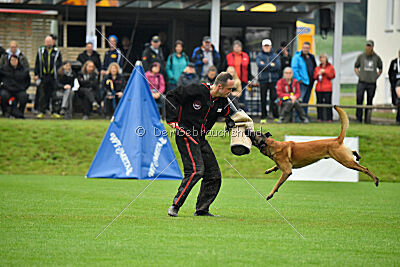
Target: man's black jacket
{"type": "Point", "coordinates": [193, 108]}
{"type": "Point", "coordinates": [394, 74]}
{"type": "Point", "coordinates": [95, 57]}
{"type": "Point", "coordinates": [149, 57]}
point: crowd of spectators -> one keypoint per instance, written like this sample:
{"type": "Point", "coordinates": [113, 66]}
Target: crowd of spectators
{"type": "Point", "coordinates": [90, 86]}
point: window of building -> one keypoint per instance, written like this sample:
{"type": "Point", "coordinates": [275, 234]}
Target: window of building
{"type": "Point", "coordinates": [389, 15]}
{"type": "Point", "coordinates": [398, 15]}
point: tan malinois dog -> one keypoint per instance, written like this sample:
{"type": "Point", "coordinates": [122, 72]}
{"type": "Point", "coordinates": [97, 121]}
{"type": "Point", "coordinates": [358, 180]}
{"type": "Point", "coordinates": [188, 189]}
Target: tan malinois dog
{"type": "Point", "coordinates": [288, 155]}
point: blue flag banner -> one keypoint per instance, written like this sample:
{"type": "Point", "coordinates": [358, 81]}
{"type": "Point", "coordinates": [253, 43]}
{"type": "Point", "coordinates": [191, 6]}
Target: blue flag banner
{"type": "Point", "coordinates": [136, 144]}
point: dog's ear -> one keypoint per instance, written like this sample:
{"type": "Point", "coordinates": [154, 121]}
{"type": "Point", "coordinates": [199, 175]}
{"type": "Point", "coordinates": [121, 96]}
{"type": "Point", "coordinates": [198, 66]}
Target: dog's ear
{"type": "Point", "coordinates": [268, 134]}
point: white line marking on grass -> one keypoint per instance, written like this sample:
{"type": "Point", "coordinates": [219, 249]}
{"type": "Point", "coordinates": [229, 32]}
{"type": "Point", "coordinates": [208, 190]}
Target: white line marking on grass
{"type": "Point", "coordinates": [265, 199]}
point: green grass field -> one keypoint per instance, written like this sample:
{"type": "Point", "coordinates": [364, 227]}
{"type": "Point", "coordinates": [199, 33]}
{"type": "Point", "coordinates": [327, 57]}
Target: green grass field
{"type": "Point", "coordinates": [53, 220]}
{"type": "Point", "coordinates": [52, 147]}
{"type": "Point", "coordinates": [349, 44]}
{"type": "Point", "coordinates": [50, 214]}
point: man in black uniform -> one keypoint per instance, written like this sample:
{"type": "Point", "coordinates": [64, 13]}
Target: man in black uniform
{"type": "Point", "coordinates": [193, 110]}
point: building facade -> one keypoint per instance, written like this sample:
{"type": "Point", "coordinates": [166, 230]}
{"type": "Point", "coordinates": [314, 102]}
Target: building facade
{"type": "Point", "coordinates": [383, 26]}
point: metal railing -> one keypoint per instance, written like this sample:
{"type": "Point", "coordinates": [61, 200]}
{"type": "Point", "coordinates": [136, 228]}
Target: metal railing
{"type": "Point", "coordinates": [348, 106]}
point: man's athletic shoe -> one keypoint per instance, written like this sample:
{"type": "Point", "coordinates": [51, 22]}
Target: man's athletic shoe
{"type": "Point", "coordinates": [173, 211]}
{"type": "Point", "coordinates": [56, 116]}
{"type": "Point", "coordinates": [40, 116]}
{"type": "Point", "coordinates": [204, 213]}
{"type": "Point", "coordinates": [95, 106]}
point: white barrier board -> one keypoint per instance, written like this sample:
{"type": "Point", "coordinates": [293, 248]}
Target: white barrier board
{"type": "Point", "coordinates": [325, 169]}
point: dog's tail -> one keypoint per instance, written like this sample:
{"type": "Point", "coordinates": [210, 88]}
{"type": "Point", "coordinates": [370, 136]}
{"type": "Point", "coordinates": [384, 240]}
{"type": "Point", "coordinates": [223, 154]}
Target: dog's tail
{"type": "Point", "coordinates": [345, 123]}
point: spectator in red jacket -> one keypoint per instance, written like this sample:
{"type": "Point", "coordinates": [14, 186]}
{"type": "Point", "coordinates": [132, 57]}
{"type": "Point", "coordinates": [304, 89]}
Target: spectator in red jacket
{"type": "Point", "coordinates": [241, 62]}
{"type": "Point", "coordinates": [288, 91]}
{"type": "Point", "coordinates": [323, 74]}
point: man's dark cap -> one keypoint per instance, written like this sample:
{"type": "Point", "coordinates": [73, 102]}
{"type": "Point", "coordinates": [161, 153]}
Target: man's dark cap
{"type": "Point", "coordinates": [155, 39]}
{"type": "Point", "coordinates": [207, 39]}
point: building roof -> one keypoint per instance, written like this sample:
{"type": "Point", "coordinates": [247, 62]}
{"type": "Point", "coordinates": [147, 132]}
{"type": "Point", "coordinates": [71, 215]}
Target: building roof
{"type": "Point", "coordinates": [281, 5]}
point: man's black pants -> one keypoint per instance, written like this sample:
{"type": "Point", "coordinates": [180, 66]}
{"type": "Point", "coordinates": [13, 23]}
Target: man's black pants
{"type": "Point", "coordinates": [363, 87]}
{"type": "Point", "coordinates": [46, 88]}
{"type": "Point", "coordinates": [198, 162]}
{"type": "Point", "coordinates": [393, 91]}
{"type": "Point", "coordinates": [273, 107]}
{"type": "Point", "coordinates": [398, 111]}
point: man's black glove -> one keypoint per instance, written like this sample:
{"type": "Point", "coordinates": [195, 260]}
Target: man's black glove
{"type": "Point", "coordinates": [229, 123]}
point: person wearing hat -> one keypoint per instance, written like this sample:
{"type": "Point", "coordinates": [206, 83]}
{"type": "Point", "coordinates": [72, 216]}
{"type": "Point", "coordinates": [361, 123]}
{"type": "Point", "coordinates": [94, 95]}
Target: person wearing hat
{"type": "Point", "coordinates": [269, 66]}
{"type": "Point", "coordinates": [189, 76]}
{"type": "Point", "coordinates": [211, 75]}
{"type": "Point", "coordinates": [205, 56]}
{"type": "Point", "coordinates": [112, 55]}
{"type": "Point", "coordinates": [368, 68]}
{"type": "Point", "coordinates": [153, 53]}
{"type": "Point", "coordinates": [176, 64]}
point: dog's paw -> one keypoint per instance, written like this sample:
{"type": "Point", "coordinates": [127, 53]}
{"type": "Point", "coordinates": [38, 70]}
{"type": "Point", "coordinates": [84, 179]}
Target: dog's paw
{"type": "Point", "coordinates": [267, 172]}
{"type": "Point", "coordinates": [269, 197]}
{"type": "Point", "coordinates": [377, 182]}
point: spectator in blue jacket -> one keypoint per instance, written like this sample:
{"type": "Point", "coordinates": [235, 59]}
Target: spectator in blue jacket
{"type": "Point", "coordinates": [269, 66]}
{"type": "Point", "coordinates": [112, 55]}
{"type": "Point", "coordinates": [303, 65]}
{"type": "Point", "coordinates": [176, 64]}
{"type": "Point", "coordinates": [205, 56]}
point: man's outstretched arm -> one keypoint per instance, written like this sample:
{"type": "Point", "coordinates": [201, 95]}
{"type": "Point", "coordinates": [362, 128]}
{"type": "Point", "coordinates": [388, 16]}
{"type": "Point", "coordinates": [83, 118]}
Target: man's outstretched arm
{"type": "Point", "coordinates": [173, 105]}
